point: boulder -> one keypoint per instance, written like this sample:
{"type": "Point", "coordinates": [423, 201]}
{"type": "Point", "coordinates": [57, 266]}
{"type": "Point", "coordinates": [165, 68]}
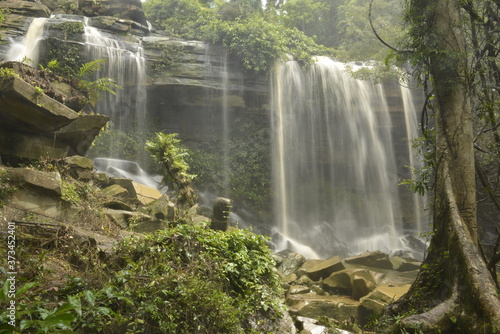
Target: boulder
{"type": "Point", "coordinates": [339, 283]}
{"type": "Point", "coordinates": [405, 264]}
{"type": "Point", "coordinates": [160, 208]}
{"type": "Point", "coordinates": [290, 262]}
{"type": "Point", "coordinates": [28, 109]}
{"type": "Point", "coordinates": [307, 265]}
{"type": "Point", "coordinates": [146, 194]}
{"type": "Point", "coordinates": [262, 323]}
{"type": "Point", "coordinates": [149, 226]}
{"type": "Point", "coordinates": [34, 125]}
{"type": "Point", "coordinates": [42, 203]}
{"type": "Point", "coordinates": [119, 217]}
{"type": "Point", "coordinates": [117, 191]}
{"type": "Point", "coordinates": [304, 280]}
{"type": "Point", "coordinates": [361, 286]}
{"type": "Point", "coordinates": [325, 268]}
{"type": "Point", "coordinates": [312, 326]}
{"type": "Point", "coordinates": [102, 179]}
{"type": "Point", "coordinates": [375, 259]}
{"type": "Point", "coordinates": [117, 205]}
{"type": "Point", "coordinates": [47, 180]}
{"type": "Point", "coordinates": [220, 217]}
{"type": "Point", "coordinates": [375, 301]}
{"type": "Point", "coordinates": [81, 132]}
{"type": "Point", "coordinates": [138, 191]}
{"type": "Point", "coordinates": [298, 289]}
{"type": "Point", "coordinates": [21, 145]}
{"type": "Point", "coordinates": [341, 308]}
{"type": "Point", "coordinates": [80, 167]}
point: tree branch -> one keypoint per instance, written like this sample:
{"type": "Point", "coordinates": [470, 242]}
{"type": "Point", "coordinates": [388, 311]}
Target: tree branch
{"type": "Point", "coordinates": [378, 36]}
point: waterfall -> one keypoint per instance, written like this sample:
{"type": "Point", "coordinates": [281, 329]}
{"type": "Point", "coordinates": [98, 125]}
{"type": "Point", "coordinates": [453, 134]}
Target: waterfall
{"type": "Point", "coordinates": [29, 48]}
{"type": "Point", "coordinates": [419, 202]}
{"type": "Point", "coordinates": [334, 171]}
{"type": "Point", "coordinates": [125, 63]}
{"type": "Point", "coordinates": [225, 126]}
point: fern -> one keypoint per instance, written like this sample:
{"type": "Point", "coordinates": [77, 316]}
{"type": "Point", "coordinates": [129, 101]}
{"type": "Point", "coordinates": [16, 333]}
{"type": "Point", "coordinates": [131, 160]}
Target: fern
{"type": "Point", "coordinates": [87, 70]}
{"type": "Point", "coordinates": [95, 88]}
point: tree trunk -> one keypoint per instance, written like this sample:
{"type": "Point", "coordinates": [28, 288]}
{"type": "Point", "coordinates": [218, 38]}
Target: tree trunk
{"type": "Point", "coordinates": [454, 291]}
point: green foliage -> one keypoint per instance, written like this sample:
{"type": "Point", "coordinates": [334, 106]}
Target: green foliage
{"type": "Point", "coordinates": [70, 28]}
{"type": "Point", "coordinates": [97, 87]}
{"type": "Point", "coordinates": [2, 17]}
{"type": "Point", "coordinates": [315, 18]}
{"type": "Point", "coordinates": [248, 162]}
{"type": "Point", "coordinates": [6, 188]}
{"type": "Point", "coordinates": [422, 179]}
{"type": "Point", "coordinates": [87, 70]}
{"type": "Point", "coordinates": [52, 66]}
{"type": "Point", "coordinates": [166, 150]}
{"type": "Point", "coordinates": [7, 73]}
{"type": "Point", "coordinates": [68, 56]}
{"type": "Point", "coordinates": [171, 57]}
{"type": "Point", "coordinates": [274, 42]}
{"type": "Point", "coordinates": [182, 18]}
{"type": "Point", "coordinates": [117, 144]}
{"type": "Point", "coordinates": [241, 26]}
{"type": "Point", "coordinates": [70, 192]}
{"type": "Point", "coordinates": [187, 279]}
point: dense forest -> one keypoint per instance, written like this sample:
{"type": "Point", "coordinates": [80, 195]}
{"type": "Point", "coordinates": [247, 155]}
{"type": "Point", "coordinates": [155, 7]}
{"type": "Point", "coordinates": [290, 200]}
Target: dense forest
{"type": "Point", "coordinates": [226, 279]}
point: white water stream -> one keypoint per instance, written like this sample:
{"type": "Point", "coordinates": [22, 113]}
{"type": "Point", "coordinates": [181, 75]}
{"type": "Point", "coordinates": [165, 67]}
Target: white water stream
{"type": "Point", "coordinates": [29, 48]}
{"type": "Point", "coordinates": [126, 65]}
{"type": "Point", "coordinates": [333, 161]}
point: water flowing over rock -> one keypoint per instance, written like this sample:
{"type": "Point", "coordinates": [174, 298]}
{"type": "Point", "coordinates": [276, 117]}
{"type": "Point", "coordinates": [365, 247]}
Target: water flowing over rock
{"type": "Point", "coordinates": [334, 164]}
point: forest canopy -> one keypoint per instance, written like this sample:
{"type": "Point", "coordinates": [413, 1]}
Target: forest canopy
{"type": "Point", "coordinates": [300, 28]}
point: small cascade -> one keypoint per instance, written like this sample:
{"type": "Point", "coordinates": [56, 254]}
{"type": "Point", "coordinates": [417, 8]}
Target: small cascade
{"type": "Point", "coordinates": [127, 169]}
{"type": "Point", "coordinates": [125, 63]}
{"type": "Point", "coordinates": [225, 126]}
{"type": "Point", "coordinates": [419, 202]}
{"type": "Point", "coordinates": [29, 48]}
{"type": "Point", "coordinates": [333, 161]}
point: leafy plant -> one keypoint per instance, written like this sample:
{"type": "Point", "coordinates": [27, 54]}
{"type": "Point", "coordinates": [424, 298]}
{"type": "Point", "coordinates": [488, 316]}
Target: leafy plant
{"type": "Point", "coordinates": [7, 72]}
{"type": "Point", "coordinates": [98, 86]}
{"type": "Point", "coordinates": [187, 279]}
{"type": "Point", "coordinates": [166, 149]}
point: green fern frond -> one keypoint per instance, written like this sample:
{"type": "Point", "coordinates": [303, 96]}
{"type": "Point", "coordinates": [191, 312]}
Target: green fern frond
{"type": "Point", "coordinates": [88, 69]}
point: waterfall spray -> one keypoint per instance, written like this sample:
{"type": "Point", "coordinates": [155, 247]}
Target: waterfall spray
{"type": "Point", "coordinates": [125, 63]}
{"type": "Point", "coordinates": [29, 48]}
{"type": "Point", "coordinates": [335, 176]}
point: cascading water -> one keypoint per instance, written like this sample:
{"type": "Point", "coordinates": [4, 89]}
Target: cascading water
{"type": "Point", "coordinates": [333, 161]}
{"type": "Point", "coordinates": [29, 47]}
{"type": "Point", "coordinates": [419, 201]}
{"type": "Point", "coordinates": [225, 126]}
{"type": "Point", "coordinates": [126, 65]}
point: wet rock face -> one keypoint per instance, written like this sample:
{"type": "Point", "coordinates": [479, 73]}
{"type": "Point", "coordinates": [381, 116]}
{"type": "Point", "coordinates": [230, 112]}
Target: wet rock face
{"type": "Point", "coordinates": [124, 9]}
{"type": "Point", "coordinates": [34, 125]}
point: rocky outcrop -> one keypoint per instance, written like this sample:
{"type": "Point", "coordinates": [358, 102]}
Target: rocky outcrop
{"type": "Point", "coordinates": [126, 10]}
{"type": "Point", "coordinates": [349, 290]}
{"type": "Point", "coordinates": [34, 125]}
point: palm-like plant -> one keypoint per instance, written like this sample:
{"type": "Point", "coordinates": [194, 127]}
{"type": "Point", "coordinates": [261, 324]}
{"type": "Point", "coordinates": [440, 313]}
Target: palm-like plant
{"type": "Point", "coordinates": [166, 150]}
{"type": "Point", "coordinates": [96, 87]}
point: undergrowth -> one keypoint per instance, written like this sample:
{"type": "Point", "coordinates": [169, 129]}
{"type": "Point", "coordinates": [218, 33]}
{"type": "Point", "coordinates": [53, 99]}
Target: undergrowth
{"type": "Point", "coordinates": [187, 279]}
